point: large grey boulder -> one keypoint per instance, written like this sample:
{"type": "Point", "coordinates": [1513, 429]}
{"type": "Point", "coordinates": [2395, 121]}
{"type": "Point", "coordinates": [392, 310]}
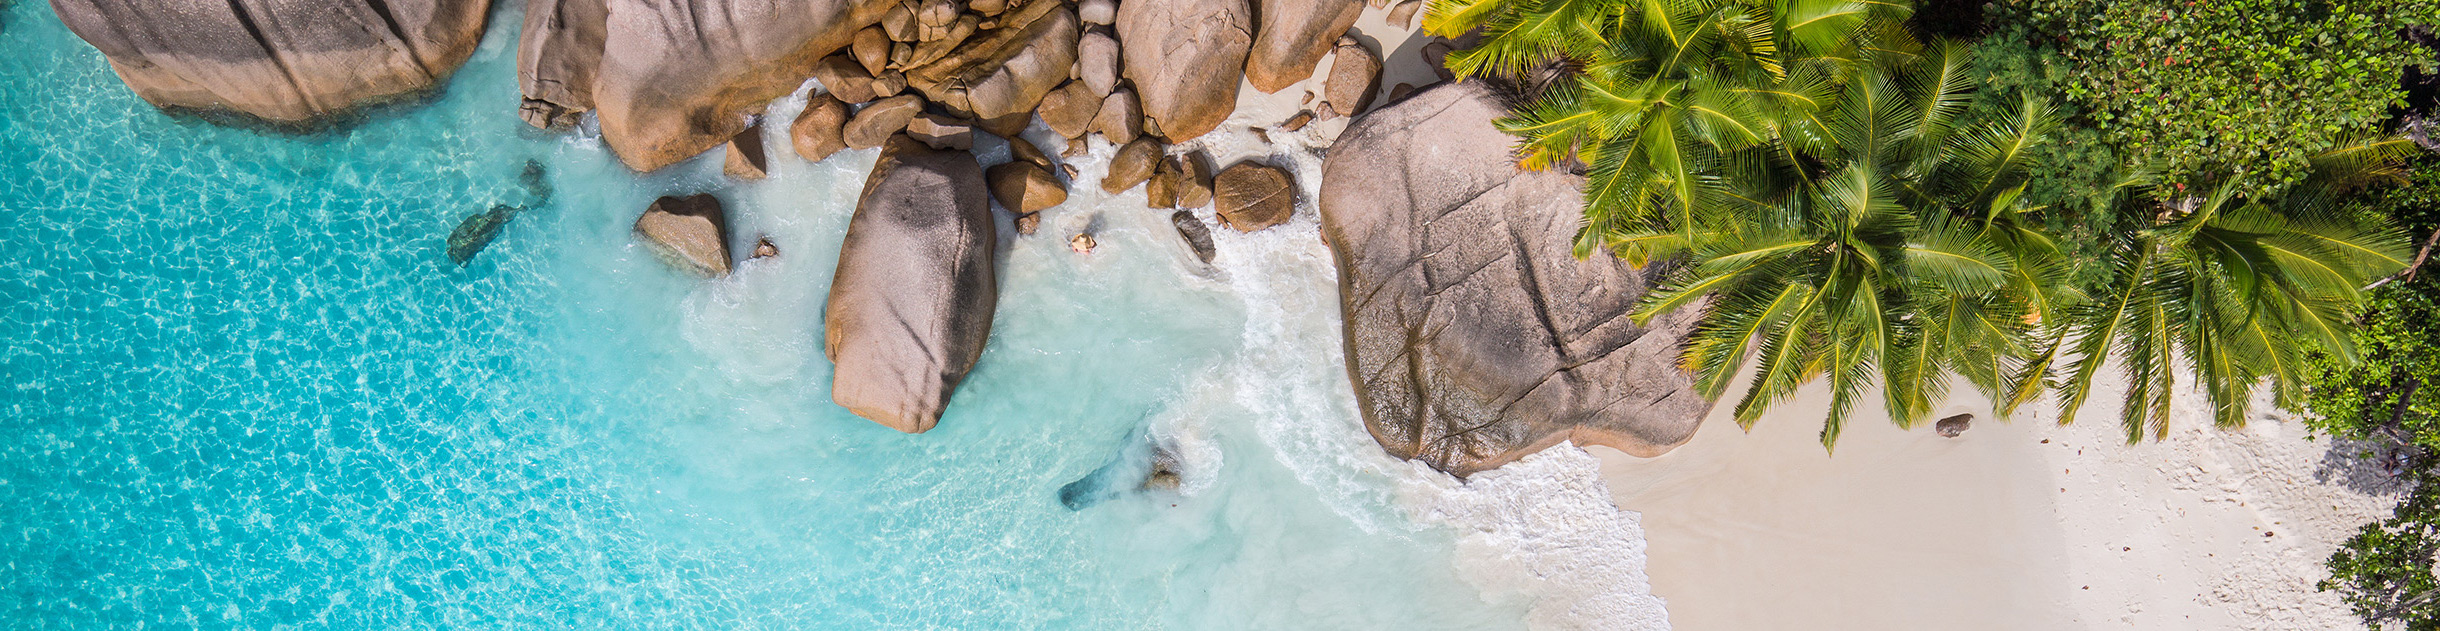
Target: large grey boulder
{"type": "Point", "coordinates": [558, 53]}
{"type": "Point", "coordinates": [1473, 336]}
{"type": "Point", "coordinates": [678, 76]}
{"type": "Point", "coordinates": [1186, 58]}
{"type": "Point", "coordinates": [911, 305]}
{"type": "Point", "coordinates": [282, 61]}
{"type": "Point", "coordinates": [1292, 38]}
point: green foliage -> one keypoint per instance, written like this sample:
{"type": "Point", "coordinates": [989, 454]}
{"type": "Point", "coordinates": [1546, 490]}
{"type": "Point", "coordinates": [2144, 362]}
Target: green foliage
{"type": "Point", "coordinates": [2072, 175]}
{"type": "Point", "coordinates": [2236, 289]}
{"type": "Point", "coordinates": [2384, 572]}
{"type": "Point", "coordinates": [1656, 92]}
{"type": "Point", "coordinates": [2394, 393]}
{"type": "Point", "coordinates": [1884, 239]}
{"type": "Point", "coordinates": [2248, 88]}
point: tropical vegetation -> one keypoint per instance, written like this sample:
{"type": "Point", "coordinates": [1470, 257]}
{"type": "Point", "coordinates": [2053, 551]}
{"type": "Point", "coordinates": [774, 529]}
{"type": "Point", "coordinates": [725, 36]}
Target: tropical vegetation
{"type": "Point", "coordinates": [2390, 402]}
{"type": "Point", "coordinates": [1852, 206]}
{"type": "Point", "coordinates": [2242, 90]}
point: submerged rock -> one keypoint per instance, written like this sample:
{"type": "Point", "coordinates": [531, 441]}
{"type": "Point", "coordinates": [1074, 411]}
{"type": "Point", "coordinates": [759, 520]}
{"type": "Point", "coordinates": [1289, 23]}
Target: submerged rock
{"type": "Point", "coordinates": [286, 62]}
{"type": "Point", "coordinates": [1474, 336]}
{"type": "Point", "coordinates": [1142, 464]}
{"type": "Point", "coordinates": [476, 232]}
{"type": "Point", "coordinates": [911, 305]}
{"type": "Point", "coordinates": [691, 233]}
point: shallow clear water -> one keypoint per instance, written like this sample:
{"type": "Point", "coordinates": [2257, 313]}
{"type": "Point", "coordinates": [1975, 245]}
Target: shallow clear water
{"type": "Point", "coordinates": [242, 386]}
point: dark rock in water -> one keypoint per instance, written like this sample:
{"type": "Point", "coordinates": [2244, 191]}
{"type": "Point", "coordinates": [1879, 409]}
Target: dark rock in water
{"type": "Point", "coordinates": [476, 232]}
{"type": "Point", "coordinates": [764, 249]}
{"type": "Point", "coordinates": [1952, 426]}
{"type": "Point", "coordinates": [1141, 464]}
{"type": "Point", "coordinates": [1198, 236]}
{"type": "Point", "coordinates": [537, 184]}
{"type": "Point", "coordinates": [1474, 335]}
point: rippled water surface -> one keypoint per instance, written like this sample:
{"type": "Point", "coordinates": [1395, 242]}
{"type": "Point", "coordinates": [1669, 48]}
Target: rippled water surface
{"type": "Point", "coordinates": [243, 386]}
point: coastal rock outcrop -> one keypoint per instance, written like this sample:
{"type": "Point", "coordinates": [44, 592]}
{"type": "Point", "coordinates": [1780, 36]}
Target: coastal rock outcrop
{"type": "Point", "coordinates": [1186, 58]}
{"type": "Point", "coordinates": [1251, 196]}
{"type": "Point", "coordinates": [1293, 36]}
{"type": "Point", "coordinates": [1355, 74]}
{"type": "Point", "coordinates": [1004, 70]}
{"type": "Point", "coordinates": [911, 304]}
{"type": "Point", "coordinates": [677, 76]}
{"type": "Point", "coordinates": [1474, 336]}
{"type": "Point", "coordinates": [284, 62]}
{"type": "Point", "coordinates": [558, 53]}
{"type": "Point", "coordinates": [817, 131]}
{"type": "Point", "coordinates": [690, 232]}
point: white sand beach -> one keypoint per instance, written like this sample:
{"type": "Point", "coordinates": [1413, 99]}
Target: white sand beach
{"type": "Point", "coordinates": [2023, 525]}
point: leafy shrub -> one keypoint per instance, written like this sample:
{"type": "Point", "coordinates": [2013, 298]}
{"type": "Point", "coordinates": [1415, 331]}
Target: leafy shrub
{"type": "Point", "coordinates": [2248, 88]}
{"type": "Point", "coordinates": [2384, 572]}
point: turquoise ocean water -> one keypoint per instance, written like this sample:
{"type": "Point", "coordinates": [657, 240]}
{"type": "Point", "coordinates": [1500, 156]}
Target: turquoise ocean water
{"type": "Point", "coordinates": [242, 387]}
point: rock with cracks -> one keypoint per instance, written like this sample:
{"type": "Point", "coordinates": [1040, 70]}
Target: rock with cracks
{"type": "Point", "coordinates": [1293, 36]}
{"type": "Point", "coordinates": [1186, 58]}
{"type": "Point", "coordinates": [285, 62]}
{"type": "Point", "coordinates": [1474, 336]}
{"type": "Point", "coordinates": [911, 305]}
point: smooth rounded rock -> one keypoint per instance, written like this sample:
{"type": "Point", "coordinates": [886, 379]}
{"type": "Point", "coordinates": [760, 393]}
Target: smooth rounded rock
{"type": "Point", "coordinates": [1120, 118]}
{"type": "Point", "coordinates": [1132, 165]}
{"type": "Point", "coordinates": [1355, 75]}
{"type": "Point", "coordinates": [1186, 58]}
{"type": "Point", "coordinates": [1251, 196]}
{"type": "Point", "coordinates": [1024, 187]}
{"type": "Point", "coordinates": [1070, 110]}
{"type": "Point", "coordinates": [1293, 36]}
{"type": "Point", "coordinates": [1097, 60]}
{"type": "Point", "coordinates": [816, 132]}
{"type": "Point", "coordinates": [691, 233]}
{"type": "Point", "coordinates": [873, 125]}
{"type": "Point", "coordinates": [1097, 11]}
{"type": "Point", "coordinates": [911, 304]}
{"type": "Point", "coordinates": [316, 58]}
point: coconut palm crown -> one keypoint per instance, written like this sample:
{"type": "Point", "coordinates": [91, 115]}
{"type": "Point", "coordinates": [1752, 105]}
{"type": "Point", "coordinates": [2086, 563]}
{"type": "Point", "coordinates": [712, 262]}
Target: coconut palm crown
{"type": "Point", "coordinates": [1649, 94]}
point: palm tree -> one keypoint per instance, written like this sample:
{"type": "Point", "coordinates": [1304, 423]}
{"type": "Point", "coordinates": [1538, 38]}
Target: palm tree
{"type": "Point", "coordinates": [1882, 239]}
{"type": "Point", "coordinates": [1654, 92]}
{"type": "Point", "coordinates": [2238, 290]}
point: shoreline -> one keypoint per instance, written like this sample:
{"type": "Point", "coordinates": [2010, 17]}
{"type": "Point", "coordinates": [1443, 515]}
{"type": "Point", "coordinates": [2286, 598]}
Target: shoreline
{"type": "Point", "coordinates": [2013, 525]}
